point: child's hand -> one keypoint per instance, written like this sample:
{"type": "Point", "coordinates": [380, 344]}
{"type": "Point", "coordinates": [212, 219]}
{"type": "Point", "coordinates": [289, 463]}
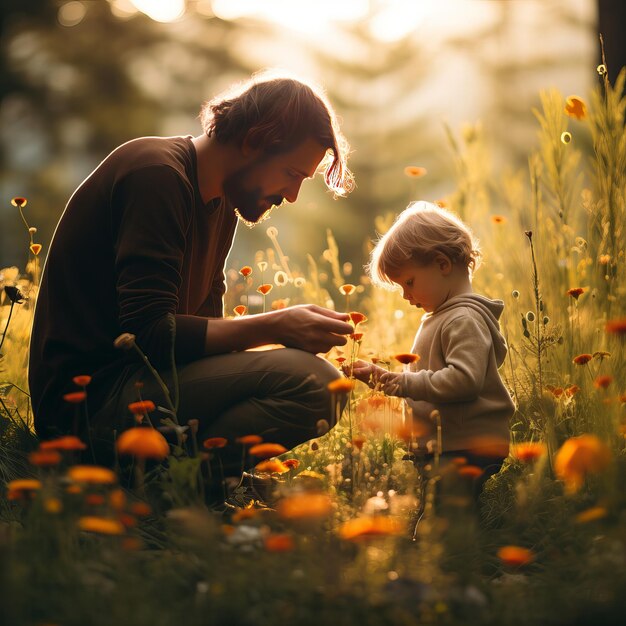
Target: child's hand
{"type": "Point", "coordinates": [390, 383]}
{"type": "Point", "coordinates": [361, 370]}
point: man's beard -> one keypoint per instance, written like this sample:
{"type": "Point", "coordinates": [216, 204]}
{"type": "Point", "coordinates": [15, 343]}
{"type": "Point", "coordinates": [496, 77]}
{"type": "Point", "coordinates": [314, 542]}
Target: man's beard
{"type": "Point", "coordinates": [248, 203]}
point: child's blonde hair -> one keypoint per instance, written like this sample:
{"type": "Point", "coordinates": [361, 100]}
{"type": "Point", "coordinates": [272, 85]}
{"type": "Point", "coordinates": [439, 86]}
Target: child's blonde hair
{"type": "Point", "coordinates": [418, 234]}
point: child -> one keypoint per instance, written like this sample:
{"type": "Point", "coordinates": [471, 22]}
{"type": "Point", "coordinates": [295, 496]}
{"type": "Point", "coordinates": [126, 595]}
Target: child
{"type": "Point", "coordinates": [430, 254]}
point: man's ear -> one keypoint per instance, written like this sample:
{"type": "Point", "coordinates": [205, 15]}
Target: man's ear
{"type": "Point", "coordinates": [444, 264]}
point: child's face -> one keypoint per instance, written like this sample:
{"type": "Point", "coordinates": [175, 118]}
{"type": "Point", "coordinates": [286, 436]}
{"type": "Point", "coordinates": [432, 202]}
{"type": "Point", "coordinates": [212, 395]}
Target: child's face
{"type": "Point", "coordinates": [424, 286]}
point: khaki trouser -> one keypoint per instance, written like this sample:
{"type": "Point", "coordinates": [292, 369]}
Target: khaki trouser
{"type": "Point", "coordinates": [277, 394]}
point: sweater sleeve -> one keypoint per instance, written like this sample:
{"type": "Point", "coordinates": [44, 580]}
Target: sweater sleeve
{"type": "Point", "coordinates": [466, 344]}
{"type": "Point", "coordinates": [151, 215]}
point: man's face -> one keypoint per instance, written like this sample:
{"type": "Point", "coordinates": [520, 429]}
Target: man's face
{"type": "Point", "coordinates": [268, 180]}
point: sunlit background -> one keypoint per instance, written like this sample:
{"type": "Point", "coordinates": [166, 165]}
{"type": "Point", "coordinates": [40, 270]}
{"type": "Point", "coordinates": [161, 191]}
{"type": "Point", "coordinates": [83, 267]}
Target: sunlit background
{"type": "Point", "coordinates": [81, 77]}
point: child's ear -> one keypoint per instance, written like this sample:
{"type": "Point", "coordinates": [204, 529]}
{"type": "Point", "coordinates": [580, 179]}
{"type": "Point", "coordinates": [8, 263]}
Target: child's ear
{"type": "Point", "coordinates": [444, 264]}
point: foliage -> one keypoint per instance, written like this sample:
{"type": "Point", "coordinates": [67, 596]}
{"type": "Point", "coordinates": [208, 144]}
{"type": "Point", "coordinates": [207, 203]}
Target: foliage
{"type": "Point", "coordinates": [553, 251]}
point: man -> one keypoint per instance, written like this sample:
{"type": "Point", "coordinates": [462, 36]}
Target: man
{"type": "Point", "coordinates": [141, 249]}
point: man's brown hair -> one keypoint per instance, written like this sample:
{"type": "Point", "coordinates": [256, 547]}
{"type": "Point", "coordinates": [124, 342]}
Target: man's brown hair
{"type": "Point", "coordinates": [276, 114]}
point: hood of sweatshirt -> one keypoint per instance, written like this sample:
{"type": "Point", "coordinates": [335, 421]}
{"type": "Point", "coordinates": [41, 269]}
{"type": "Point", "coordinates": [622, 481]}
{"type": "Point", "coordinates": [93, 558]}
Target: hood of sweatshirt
{"type": "Point", "coordinates": [490, 310]}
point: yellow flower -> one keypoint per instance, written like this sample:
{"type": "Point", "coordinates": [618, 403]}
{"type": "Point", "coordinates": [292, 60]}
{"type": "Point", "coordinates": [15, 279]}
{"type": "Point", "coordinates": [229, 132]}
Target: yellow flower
{"type": "Point", "coordinates": [566, 137]}
{"type": "Point", "coordinates": [575, 107]}
{"type": "Point", "coordinates": [578, 457]}
{"type": "Point", "coordinates": [101, 525]}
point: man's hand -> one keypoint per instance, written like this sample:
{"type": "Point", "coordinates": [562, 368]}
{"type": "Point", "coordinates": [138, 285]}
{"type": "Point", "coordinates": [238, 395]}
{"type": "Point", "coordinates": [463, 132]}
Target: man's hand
{"type": "Point", "coordinates": [312, 328]}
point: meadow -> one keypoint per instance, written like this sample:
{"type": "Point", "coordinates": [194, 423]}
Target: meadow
{"type": "Point", "coordinates": [348, 531]}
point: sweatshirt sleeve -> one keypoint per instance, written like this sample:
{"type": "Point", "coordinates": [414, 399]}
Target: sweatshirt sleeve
{"type": "Point", "coordinates": [151, 216]}
{"type": "Point", "coordinates": [466, 344]}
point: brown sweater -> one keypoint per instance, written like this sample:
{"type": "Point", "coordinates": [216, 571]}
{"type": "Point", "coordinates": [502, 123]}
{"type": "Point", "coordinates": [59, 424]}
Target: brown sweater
{"type": "Point", "coordinates": [134, 244]}
{"type": "Point", "coordinates": [461, 349]}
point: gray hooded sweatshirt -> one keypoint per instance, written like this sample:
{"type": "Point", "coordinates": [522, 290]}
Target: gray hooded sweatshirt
{"type": "Point", "coordinates": [461, 349]}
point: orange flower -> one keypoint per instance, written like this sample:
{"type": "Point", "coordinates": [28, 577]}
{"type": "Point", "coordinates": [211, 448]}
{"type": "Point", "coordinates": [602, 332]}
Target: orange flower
{"type": "Point", "coordinates": [356, 336]}
{"type": "Point", "coordinates": [498, 219]}
{"type": "Point", "coordinates": [94, 499]}
{"type": "Point", "coordinates": [240, 310]}
{"type": "Point", "coordinates": [279, 542]}
{"type": "Point", "coordinates": [140, 509]}
{"type": "Point", "coordinates": [582, 359]}
{"type": "Point", "coordinates": [44, 458]}
{"type": "Point", "coordinates": [616, 326]}
{"type": "Point", "coordinates": [358, 441]}
{"type": "Point", "coordinates": [81, 381]}
{"type": "Point", "coordinates": [489, 445]}
{"type": "Point", "coordinates": [575, 292]}
{"type": "Point", "coordinates": [92, 474]}
{"type": "Point", "coordinates": [291, 463]}
{"type": "Point", "coordinates": [75, 397]}
{"type": "Point", "coordinates": [101, 525]}
{"type": "Point", "coordinates": [578, 457]}
{"type": "Point", "coordinates": [117, 499]}
{"type": "Point", "coordinates": [271, 466]}
{"type": "Point", "coordinates": [35, 248]}
{"type": "Point", "coordinates": [470, 471]}
{"type": "Point", "coordinates": [415, 171]}
{"type": "Point", "coordinates": [591, 515]}
{"type": "Point", "coordinates": [214, 442]}
{"type": "Point", "coordinates": [357, 317]}
{"type": "Point", "coordinates": [245, 271]}
{"type": "Point", "coordinates": [528, 451]}
{"type": "Point", "coordinates": [341, 385]}
{"type": "Point", "coordinates": [515, 556]}
{"type": "Point", "coordinates": [265, 288]}
{"type": "Point", "coordinates": [67, 442]}
{"type": "Point", "coordinates": [243, 514]}
{"type": "Point", "coordinates": [19, 202]}
{"type": "Point", "coordinates": [406, 358]}
{"type": "Point", "coordinates": [267, 450]}
{"type": "Point", "coordinates": [572, 390]}
{"type": "Point", "coordinates": [141, 407]}
{"type": "Point", "coordinates": [604, 259]}
{"type": "Point", "coordinates": [145, 443]}
{"type": "Point", "coordinates": [557, 392]}
{"type": "Point", "coordinates": [575, 107]}
{"type": "Point", "coordinates": [249, 440]}
{"type": "Point", "coordinates": [602, 382]}
{"type": "Point", "coordinates": [347, 289]}
{"type": "Point", "coordinates": [22, 487]}
{"type": "Point", "coordinates": [370, 527]}
{"type": "Point", "coordinates": [340, 359]}
{"type": "Point", "coordinates": [305, 506]}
